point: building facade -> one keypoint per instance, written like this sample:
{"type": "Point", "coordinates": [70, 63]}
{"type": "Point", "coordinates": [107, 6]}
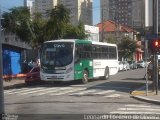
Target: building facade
{"type": "Point", "coordinates": [42, 6]}
{"type": "Point", "coordinates": [13, 54]}
{"type": "Point", "coordinates": [31, 5]}
{"type": "Point", "coordinates": [119, 11]}
{"type": "Point", "coordinates": [80, 10]}
{"type": "Point", "coordinates": [126, 12]}
{"type": "Point", "coordinates": [109, 29]}
{"type": "Point", "coordinates": [138, 14]}
{"type": "Point", "coordinates": [92, 32]}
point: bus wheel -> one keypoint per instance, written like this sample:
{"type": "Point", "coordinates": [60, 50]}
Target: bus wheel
{"type": "Point", "coordinates": [85, 77]}
{"type": "Point", "coordinates": [106, 74]}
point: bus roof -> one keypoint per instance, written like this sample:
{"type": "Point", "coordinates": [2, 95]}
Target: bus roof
{"type": "Point", "coordinates": [81, 41]}
{"type": "Point", "coordinates": [71, 40]}
{"type": "Point", "coordinates": [103, 43]}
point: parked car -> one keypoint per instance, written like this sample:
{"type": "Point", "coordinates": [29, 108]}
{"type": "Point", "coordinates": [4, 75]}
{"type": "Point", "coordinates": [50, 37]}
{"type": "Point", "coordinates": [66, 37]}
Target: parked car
{"type": "Point", "coordinates": [126, 66]}
{"type": "Point", "coordinates": [132, 64]}
{"type": "Point", "coordinates": [33, 76]}
{"type": "Point", "coordinates": [120, 65]}
{"type": "Point", "coordinates": [141, 64]}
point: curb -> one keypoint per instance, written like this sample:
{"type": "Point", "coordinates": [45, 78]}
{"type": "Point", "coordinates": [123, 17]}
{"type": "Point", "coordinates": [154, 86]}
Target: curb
{"type": "Point", "coordinates": [144, 99]}
{"type": "Point", "coordinates": [140, 93]}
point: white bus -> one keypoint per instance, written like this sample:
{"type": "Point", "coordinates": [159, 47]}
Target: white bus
{"type": "Point", "coordinates": [73, 59]}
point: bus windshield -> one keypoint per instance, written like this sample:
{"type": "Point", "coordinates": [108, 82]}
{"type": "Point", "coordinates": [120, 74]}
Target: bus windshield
{"type": "Point", "coordinates": [56, 54]}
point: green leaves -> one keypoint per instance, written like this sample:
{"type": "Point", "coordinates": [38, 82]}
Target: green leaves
{"type": "Point", "coordinates": [127, 47]}
{"type": "Point", "coordinates": [36, 30]}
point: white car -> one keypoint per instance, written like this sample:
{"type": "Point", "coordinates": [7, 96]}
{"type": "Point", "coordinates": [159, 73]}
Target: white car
{"type": "Point", "coordinates": [126, 66]}
{"type": "Point", "coordinates": [141, 64]}
{"type": "Point", "coordinates": [120, 65]}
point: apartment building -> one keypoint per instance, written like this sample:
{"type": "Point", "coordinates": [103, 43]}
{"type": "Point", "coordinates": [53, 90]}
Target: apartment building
{"type": "Point", "coordinates": [42, 6]}
{"type": "Point", "coordinates": [31, 5]}
{"type": "Point", "coordinates": [80, 10]}
{"type": "Point", "coordinates": [138, 14]}
{"type": "Point", "coordinates": [119, 11]}
{"type": "Point", "coordinates": [127, 12]}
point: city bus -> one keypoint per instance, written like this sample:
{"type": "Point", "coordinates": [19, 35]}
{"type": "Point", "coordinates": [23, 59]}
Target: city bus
{"type": "Point", "coordinates": [74, 59]}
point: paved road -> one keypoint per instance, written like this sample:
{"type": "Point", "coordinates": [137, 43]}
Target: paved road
{"type": "Point", "coordinates": [96, 97]}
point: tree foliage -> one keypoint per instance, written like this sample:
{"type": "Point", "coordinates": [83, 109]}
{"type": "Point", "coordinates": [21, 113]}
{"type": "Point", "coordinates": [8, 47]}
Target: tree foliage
{"type": "Point", "coordinates": [127, 47]}
{"type": "Point", "coordinates": [37, 30]}
{"type": "Point", "coordinates": [17, 21]}
{"type": "Point", "coordinates": [75, 32]}
{"type": "Point", "coordinates": [111, 39]}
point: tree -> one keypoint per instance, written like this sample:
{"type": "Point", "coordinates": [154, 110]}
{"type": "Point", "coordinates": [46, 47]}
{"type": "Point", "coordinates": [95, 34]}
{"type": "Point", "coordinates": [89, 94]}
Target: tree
{"type": "Point", "coordinates": [16, 21]}
{"type": "Point", "coordinates": [111, 39]}
{"type": "Point", "coordinates": [59, 18]}
{"type": "Point", "coordinates": [127, 47]}
{"type": "Point", "coordinates": [37, 30]}
{"type": "Point", "coordinates": [75, 32]}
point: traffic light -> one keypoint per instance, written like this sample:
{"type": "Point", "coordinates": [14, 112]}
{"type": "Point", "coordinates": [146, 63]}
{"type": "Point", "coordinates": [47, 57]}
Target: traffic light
{"type": "Point", "coordinates": [155, 45]}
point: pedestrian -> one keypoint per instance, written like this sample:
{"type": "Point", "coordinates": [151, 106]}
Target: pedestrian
{"type": "Point", "coordinates": [150, 68]}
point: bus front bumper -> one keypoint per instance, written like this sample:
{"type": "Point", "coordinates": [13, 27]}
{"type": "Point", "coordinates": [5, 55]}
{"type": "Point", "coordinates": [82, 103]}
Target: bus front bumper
{"type": "Point", "coordinates": [55, 77]}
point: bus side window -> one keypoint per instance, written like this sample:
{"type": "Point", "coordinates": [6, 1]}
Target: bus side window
{"type": "Point", "coordinates": [77, 54]}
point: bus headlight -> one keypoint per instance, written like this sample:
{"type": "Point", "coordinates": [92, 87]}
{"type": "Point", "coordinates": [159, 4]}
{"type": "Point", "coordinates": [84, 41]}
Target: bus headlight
{"type": "Point", "coordinates": [69, 70]}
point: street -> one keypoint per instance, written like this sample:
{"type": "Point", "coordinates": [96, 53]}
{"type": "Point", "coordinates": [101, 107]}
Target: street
{"type": "Point", "coordinates": [96, 97]}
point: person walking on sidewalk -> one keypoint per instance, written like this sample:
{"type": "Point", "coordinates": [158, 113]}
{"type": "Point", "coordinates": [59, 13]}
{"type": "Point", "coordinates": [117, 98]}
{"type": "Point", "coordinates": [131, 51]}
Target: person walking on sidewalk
{"type": "Point", "coordinates": [150, 69]}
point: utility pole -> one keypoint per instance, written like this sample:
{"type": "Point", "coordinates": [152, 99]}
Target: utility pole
{"type": "Point", "coordinates": [1, 73]}
{"type": "Point", "coordinates": [155, 30]}
{"type": "Point", "coordinates": [102, 34]}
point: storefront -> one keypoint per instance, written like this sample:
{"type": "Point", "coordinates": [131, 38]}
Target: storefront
{"type": "Point", "coordinates": [11, 60]}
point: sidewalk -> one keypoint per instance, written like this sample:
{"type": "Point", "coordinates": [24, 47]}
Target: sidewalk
{"type": "Point", "coordinates": [151, 97]}
{"type": "Point", "coordinates": [13, 83]}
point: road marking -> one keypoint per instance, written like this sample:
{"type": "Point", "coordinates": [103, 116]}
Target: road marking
{"type": "Point", "coordinates": [78, 85]}
{"type": "Point", "coordinates": [47, 91]}
{"type": "Point", "coordinates": [83, 92]}
{"type": "Point", "coordinates": [72, 91]}
{"type": "Point", "coordinates": [69, 91]}
{"type": "Point", "coordinates": [26, 90]}
{"type": "Point", "coordinates": [13, 90]}
{"type": "Point", "coordinates": [104, 92]}
{"type": "Point", "coordinates": [43, 90]}
{"type": "Point", "coordinates": [113, 96]}
{"type": "Point", "coordinates": [126, 88]}
{"type": "Point", "coordinates": [59, 91]}
{"type": "Point", "coordinates": [132, 105]}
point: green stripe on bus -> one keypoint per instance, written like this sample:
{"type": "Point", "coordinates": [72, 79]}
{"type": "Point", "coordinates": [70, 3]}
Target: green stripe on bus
{"type": "Point", "coordinates": [83, 42]}
{"type": "Point", "coordinates": [82, 65]}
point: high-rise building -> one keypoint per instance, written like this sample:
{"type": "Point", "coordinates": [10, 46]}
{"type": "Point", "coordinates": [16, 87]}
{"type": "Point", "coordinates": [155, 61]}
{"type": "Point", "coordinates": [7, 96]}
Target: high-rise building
{"type": "Point", "coordinates": [80, 10]}
{"type": "Point", "coordinates": [126, 12]}
{"type": "Point", "coordinates": [138, 14]}
{"type": "Point", "coordinates": [31, 5]}
{"type": "Point", "coordinates": [42, 6]}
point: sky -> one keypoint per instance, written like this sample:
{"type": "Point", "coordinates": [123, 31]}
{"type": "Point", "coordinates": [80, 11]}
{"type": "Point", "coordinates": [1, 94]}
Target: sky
{"type": "Point", "coordinates": [7, 4]}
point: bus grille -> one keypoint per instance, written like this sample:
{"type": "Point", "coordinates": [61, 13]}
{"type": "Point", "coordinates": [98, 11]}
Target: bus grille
{"type": "Point", "coordinates": [55, 77]}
